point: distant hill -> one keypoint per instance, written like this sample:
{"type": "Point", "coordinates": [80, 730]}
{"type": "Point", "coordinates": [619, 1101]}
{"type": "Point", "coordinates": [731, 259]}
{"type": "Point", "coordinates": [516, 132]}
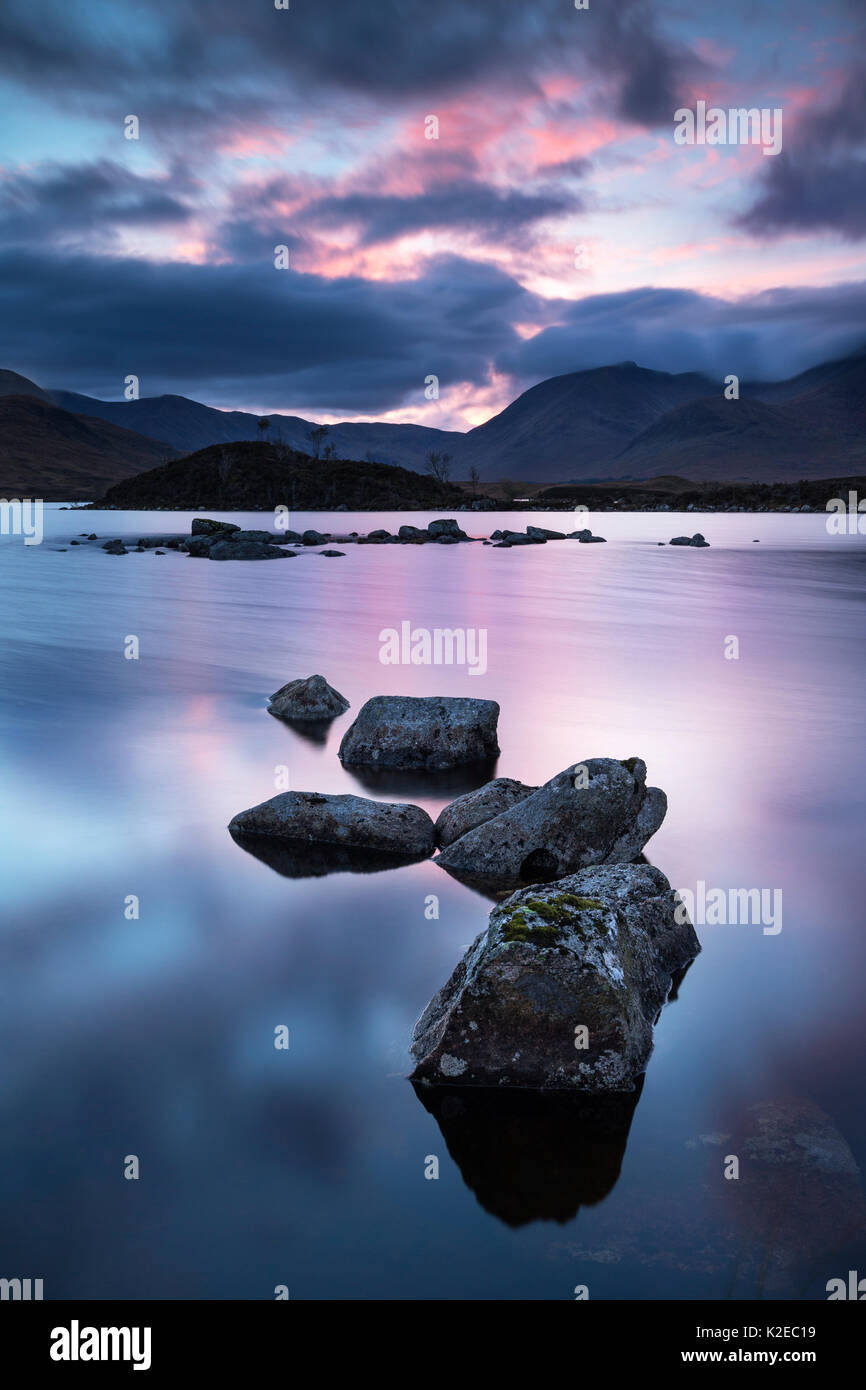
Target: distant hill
{"type": "Point", "coordinates": [620, 422]}
{"type": "Point", "coordinates": [50, 453]}
{"type": "Point", "coordinates": [11, 384]}
{"type": "Point", "coordinates": [189, 426]}
{"type": "Point", "coordinates": [259, 477]}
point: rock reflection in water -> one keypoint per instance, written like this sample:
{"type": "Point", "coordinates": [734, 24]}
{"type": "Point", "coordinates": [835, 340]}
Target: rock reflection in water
{"type": "Point", "coordinates": [533, 1155]}
{"type": "Point", "coordinates": [298, 859]}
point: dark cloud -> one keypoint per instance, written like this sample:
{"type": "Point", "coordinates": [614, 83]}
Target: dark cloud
{"type": "Point", "coordinates": [169, 59]}
{"type": "Point", "coordinates": [257, 337]}
{"type": "Point", "coordinates": [818, 182]}
{"type": "Point", "coordinates": [58, 203]}
{"type": "Point", "coordinates": [478, 207]}
{"type": "Point", "coordinates": [765, 336]}
{"type": "Point", "coordinates": [237, 334]}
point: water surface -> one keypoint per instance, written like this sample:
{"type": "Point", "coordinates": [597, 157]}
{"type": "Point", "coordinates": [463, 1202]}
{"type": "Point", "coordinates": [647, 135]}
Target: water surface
{"type": "Point", "coordinates": [306, 1168]}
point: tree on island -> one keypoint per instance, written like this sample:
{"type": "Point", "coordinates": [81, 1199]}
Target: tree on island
{"type": "Point", "coordinates": [317, 438]}
{"type": "Point", "coordinates": [474, 480]}
{"type": "Point", "coordinates": [439, 466]}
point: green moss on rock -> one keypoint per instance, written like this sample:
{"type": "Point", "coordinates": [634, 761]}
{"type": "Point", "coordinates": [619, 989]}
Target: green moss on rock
{"type": "Point", "coordinates": [553, 916]}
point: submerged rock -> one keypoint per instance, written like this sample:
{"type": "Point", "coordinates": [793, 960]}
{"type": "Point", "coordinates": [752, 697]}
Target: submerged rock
{"type": "Point", "coordinates": [696, 540]}
{"type": "Point", "coordinates": [791, 1226]}
{"type": "Point", "coordinates": [351, 822]}
{"type": "Point", "coordinates": [479, 806]}
{"type": "Point", "coordinates": [562, 989]}
{"type": "Point", "coordinates": [115, 548]}
{"type": "Point", "coordinates": [436, 733]}
{"type": "Point", "coordinates": [311, 698]}
{"type": "Point", "coordinates": [598, 812]}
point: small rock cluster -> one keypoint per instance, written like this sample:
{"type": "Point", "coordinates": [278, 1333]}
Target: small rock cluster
{"type": "Point", "coordinates": [562, 989]}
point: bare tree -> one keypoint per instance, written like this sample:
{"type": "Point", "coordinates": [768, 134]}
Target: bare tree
{"type": "Point", "coordinates": [439, 466]}
{"type": "Point", "coordinates": [264, 426]}
{"type": "Point", "coordinates": [317, 438]}
{"type": "Point", "coordinates": [474, 479]}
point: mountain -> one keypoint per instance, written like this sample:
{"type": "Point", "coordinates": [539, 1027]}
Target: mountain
{"type": "Point", "coordinates": [622, 422]}
{"type": "Point", "coordinates": [11, 384]}
{"type": "Point", "coordinates": [50, 453]}
{"type": "Point", "coordinates": [811, 427]}
{"type": "Point", "coordinates": [573, 426]}
{"type": "Point", "coordinates": [189, 426]}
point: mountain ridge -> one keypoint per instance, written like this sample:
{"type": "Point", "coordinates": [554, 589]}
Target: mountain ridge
{"type": "Point", "coordinates": [617, 422]}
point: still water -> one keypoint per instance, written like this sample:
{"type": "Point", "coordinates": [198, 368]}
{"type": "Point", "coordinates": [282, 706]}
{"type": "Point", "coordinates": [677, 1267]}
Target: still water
{"type": "Point", "coordinates": [305, 1168]}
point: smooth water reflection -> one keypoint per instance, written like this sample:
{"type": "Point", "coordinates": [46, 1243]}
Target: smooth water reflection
{"type": "Point", "coordinates": [306, 1167]}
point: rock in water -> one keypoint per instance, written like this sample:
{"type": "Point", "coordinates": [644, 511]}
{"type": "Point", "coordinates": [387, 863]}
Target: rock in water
{"type": "Point", "coordinates": [697, 540]}
{"type": "Point", "coordinates": [245, 550]}
{"type": "Point", "coordinates": [204, 526]}
{"type": "Point", "coordinates": [479, 806]}
{"type": "Point", "coordinates": [562, 989]}
{"type": "Point", "coordinates": [598, 812]}
{"type": "Point", "coordinates": [541, 533]}
{"type": "Point", "coordinates": [310, 699]}
{"type": "Point", "coordinates": [436, 733]}
{"type": "Point", "coordinates": [352, 822]}
{"type": "Point", "coordinates": [446, 527]}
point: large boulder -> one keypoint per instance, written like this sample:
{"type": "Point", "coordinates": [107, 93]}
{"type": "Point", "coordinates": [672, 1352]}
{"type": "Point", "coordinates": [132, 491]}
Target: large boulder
{"type": "Point", "coordinates": [202, 544]}
{"type": "Point", "coordinates": [436, 733]}
{"type": "Point", "coordinates": [446, 527]}
{"type": "Point", "coordinates": [245, 550]}
{"type": "Point", "coordinates": [697, 540]}
{"type": "Point", "coordinates": [309, 699]}
{"type": "Point", "coordinates": [204, 526]}
{"type": "Point", "coordinates": [541, 533]}
{"type": "Point", "coordinates": [267, 537]}
{"type": "Point", "coordinates": [562, 989]}
{"type": "Point", "coordinates": [598, 812]}
{"type": "Point", "coordinates": [351, 822]}
{"type": "Point", "coordinates": [479, 806]}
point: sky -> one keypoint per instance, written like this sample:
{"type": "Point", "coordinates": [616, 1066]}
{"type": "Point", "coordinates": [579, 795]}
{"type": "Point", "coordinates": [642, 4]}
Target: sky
{"type": "Point", "coordinates": [486, 193]}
